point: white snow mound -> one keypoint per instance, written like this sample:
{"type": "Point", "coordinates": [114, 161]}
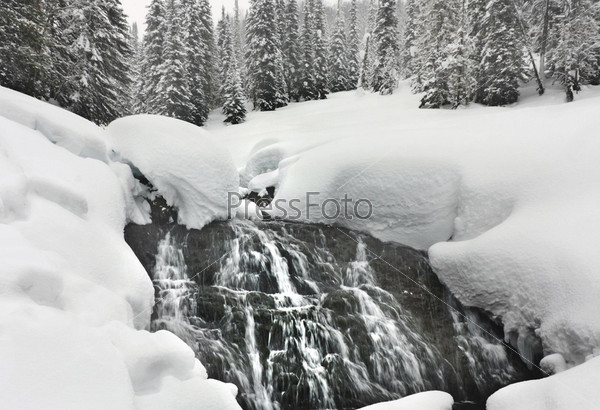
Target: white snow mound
{"type": "Point", "coordinates": [576, 388]}
{"type": "Point", "coordinates": [188, 167]}
{"type": "Point", "coordinates": [429, 400]}
{"type": "Point", "coordinates": [70, 131]}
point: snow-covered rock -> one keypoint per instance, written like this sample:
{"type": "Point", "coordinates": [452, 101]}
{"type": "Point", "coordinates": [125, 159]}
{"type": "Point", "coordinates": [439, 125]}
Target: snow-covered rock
{"type": "Point", "coordinates": [188, 167]}
{"type": "Point", "coordinates": [576, 388]}
{"type": "Point", "coordinates": [73, 297]}
{"type": "Point", "coordinates": [413, 202]}
{"type": "Point", "coordinates": [429, 400]}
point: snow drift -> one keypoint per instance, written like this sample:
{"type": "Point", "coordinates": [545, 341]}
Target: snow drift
{"type": "Point", "coordinates": [73, 297]}
{"type": "Point", "coordinates": [189, 168]}
{"type": "Point", "coordinates": [430, 400]}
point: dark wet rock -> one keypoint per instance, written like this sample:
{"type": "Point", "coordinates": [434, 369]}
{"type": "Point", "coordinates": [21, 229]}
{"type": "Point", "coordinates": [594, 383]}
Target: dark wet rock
{"type": "Point", "coordinates": [333, 318]}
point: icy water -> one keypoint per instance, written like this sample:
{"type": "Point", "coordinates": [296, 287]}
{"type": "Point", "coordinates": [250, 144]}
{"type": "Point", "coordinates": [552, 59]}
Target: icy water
{"type": "Point", "coordinates": [311, 317]}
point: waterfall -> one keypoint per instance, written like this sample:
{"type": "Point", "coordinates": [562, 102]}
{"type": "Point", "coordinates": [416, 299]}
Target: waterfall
{"type": "Point", "coordinates": [175, 292]}
{"type": "Point", "coordinates": [305, 316]}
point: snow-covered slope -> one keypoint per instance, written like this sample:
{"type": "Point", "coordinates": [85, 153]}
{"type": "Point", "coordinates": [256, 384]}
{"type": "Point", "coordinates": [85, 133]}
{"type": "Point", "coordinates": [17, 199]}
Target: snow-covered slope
{"type": "Point", "coordinates": [505, 199]}
{"type": "Point", "coordinates": [74, 300]}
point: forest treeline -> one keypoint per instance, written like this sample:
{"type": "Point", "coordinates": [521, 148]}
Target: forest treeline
{"type": "Point", "coordinates": [83, 55]}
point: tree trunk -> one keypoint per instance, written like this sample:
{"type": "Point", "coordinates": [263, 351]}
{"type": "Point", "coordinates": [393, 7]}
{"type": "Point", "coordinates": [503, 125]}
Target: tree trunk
{"type": "Point", "coordinates": [538, 74]}
{"type": "Point", "coordinates": [363, 72]}
{"type": "Point", "coordinates": [544, 41]}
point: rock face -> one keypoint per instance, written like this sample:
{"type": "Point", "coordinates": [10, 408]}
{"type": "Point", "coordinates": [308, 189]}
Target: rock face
{"type": "Point", "coordinates": [309, 316]}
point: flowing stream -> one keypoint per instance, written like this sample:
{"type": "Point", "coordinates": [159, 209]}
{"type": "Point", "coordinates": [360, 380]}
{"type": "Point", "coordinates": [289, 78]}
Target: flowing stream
{"type": "Point", "coordinates": [313, 317]}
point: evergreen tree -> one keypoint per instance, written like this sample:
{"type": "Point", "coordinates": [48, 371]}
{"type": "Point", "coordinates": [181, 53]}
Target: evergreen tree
{"type": "Point", "coordinates": [439, 22]}
{"type": "Point", "coordinates": [338, 64]}
{"type": "Point", "coordinates": [573, 58]}
{"type": "Point", "coordinates": [233, 107]}
{"type": "Point", "coordinates": [224, 41]}
{"type": "Point", "coordinates": [501, 66]}
{"type": "Point", "coordinates": [174, 86]}
{"type": "Point", "coordinates": [459, 64]}
{"type": "Point", "coordinates": [95, 63]}
{"type": "Point", "coordinates": [353, 46]}
{"type": "Point", "coordinates": [265, 67]}
{"type": "Point", "coordinates": [365, 68]}
{"type": "Point", "coordinates": [136, 60]}
{"type": "Point", "coordinates": [152, 57]}
{"type": "Point", "coordinates": [204, 62]}
{"type": "Point", "coordinates": [412, 31]}
{"type": "Point", "coordinates": [370, 48]}
{"type": "Point", "coordinates": [320, 47]}
{"type": "Point", "coordinates": [307, 72]}
{"type": "Point", "coordinates": [197, 37]}
{"type": "Point", "coordinates": [233, 95]}
{"type": "Point", "coordinates": [24, 47]}
{"type": "Point", "coordinates": [385, 35]}
{"type": "Point", "coordinates": [236, 32]}
{"type": "Point", "coordinates": [291, 51]}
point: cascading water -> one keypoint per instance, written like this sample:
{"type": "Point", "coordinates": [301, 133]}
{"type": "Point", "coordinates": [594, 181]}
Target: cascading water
{"type": "Point", "coordinates": [305, 316]}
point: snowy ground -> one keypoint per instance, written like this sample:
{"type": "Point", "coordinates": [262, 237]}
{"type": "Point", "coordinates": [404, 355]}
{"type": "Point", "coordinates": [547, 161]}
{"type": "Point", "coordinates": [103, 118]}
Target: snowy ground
{"type": "Point", "coordinates": [504, 199]}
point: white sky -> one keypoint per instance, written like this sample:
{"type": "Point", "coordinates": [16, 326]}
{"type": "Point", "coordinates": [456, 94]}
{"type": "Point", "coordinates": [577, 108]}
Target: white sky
{"type": "Point", "coordinates": [136, 9]}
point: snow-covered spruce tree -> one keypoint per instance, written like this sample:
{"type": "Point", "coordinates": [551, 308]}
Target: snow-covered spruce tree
{"type": "Point", "coordinates": [502, 64]}
{"type": "Point", "coordinates": [439, 23]}
{"type": "Point", "coordinates": [236, 32]}
{"type": "Point", "coordinates": [195, 33]}
{"type": "Point", "coordinates": [385, 35]}
{"type": "Point", "coordinates": [369, 48]}
{"type": "Point", "coordinates": [459, 64]}
{"type": "Point", "coordinates": [412, 31]}
{"type": "Point", "coordinates": [402, 20]}
{"type": "Point", "coordinates": [97, 82]}
{"type": "Point", "coordinates": [338, 52]}
{"type": "Point", "coordinates": [135, 64]}
{"type": "Point", "coordinates": [292, 51]}
{"type": "Point", "coordinates": [174, 86]}
{"type": "Point", "coordinates": [573, 58]}
{"type": "Point", "coordinates": [307, 89]}
{"type": "Point", "coordinates": [320, 47]}
{"type": "Point", "coordinates": [24, 47]}
{"type": "Point", "coordinates": [477, 10]}
{"type": "Point", "coordinates": [233, 107]}
{"type": "Point", "coordinates": [353, 45]}
{"type": "Point", "coordinates": [365, 65]}
{"type": "Point", "coordinates": [263, 57]}
{"type": "Point", "coordinates": [202, 61]}
{"type": "Point", "coordinates": [280, 21]}
{"type": "Point", "coordinates": [224, 40]}
{"type": "Point", "coordinates": [233, 95]}
{"type": "Point", "coordinates": [540, 16]}
{"type": "Point", "coordinates": [152, 57]}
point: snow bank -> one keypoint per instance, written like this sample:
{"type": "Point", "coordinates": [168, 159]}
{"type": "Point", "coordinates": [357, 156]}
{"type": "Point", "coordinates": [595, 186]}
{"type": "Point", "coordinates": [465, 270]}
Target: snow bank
{"type": "Point", "coordinates": [184, 163]}
{"type": "Point", "coordinates": [78, 135]}
{"type": "Point", "coordinates": [73, 296]}
{"type": "Point", "coordinates": [576, 388]}
{"type": "Point", "coordinates": [405, 203]}
{"type": "Point", "coordinates": [429, 400]}
{"type": "Point", "coordinates": [514, 189]}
